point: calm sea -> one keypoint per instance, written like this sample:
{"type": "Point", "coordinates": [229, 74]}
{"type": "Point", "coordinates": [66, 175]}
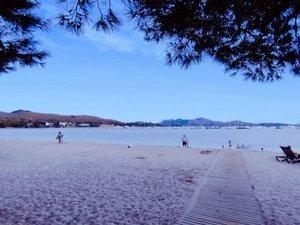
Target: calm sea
{"type": "Point", "coordinates": [252, 139]}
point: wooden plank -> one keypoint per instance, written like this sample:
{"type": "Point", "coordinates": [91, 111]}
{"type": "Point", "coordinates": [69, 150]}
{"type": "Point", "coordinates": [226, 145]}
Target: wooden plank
{"type": "Point", "coordinates": [207, 219]}
{"type": "Point", "coordinates": [235, 205]}
{"type": "Point", "coordinates": [248, 193]}
{"type": "Point", "coordinates": [223, 219]}
{"type": "Point", "coordinates": [225, 197]}
{"type": "Point", "coordinates": [228, 214]}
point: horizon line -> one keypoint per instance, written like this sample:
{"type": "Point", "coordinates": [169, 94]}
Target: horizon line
{"type": "Point", "coordinates": [135, 121]}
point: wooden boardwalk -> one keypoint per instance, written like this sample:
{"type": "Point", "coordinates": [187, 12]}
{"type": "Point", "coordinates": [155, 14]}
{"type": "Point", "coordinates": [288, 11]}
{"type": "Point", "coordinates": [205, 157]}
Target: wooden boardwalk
{"type": "Point", "coordinates": [225, 195]}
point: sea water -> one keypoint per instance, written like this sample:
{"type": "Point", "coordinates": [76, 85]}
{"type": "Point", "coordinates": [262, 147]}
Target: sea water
{"type": "Point", "coordinates": [252, 139]}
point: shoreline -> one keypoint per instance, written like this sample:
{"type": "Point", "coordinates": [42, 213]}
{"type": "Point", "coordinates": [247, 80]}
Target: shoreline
{"type": "Point", "coordinates": [175, 147]}
{"type": "Point", "coordinates": [269, 139]}
{"type": "Point", "coordinates": [41, 141]}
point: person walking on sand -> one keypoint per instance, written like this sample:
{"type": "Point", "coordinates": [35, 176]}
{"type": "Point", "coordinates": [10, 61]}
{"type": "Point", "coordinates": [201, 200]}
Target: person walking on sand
{"type": "Point", "coordinates": [59, 137]}
{"type": "Point", "coordinates": [185, 141]}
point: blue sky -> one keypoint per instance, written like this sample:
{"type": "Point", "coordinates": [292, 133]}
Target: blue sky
{"type": "Point", "coordinates": [120, 76]}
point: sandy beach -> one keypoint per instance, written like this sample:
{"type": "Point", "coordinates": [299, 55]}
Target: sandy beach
{"type": "Point", "coordinates": [276, 186]}
{"type": "Point", "coordinates": [138, 112]}
{"type": "Point", "coordinates": [90, 183]}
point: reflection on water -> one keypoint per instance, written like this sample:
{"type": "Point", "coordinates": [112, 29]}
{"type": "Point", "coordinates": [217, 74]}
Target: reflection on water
{"type": "Point", "coordinates": [253, 138]}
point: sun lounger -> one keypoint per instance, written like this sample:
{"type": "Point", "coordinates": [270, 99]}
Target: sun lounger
{"type": "Point", "coordinates": [290, 156]}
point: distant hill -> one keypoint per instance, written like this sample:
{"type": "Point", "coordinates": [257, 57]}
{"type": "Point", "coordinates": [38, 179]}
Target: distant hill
{"type": "Point", "coordinates": [21, 117]}
{"type": "Point", "coordinates": [211, 123]}
{"type": "Point", "coordinates": [25, 118]}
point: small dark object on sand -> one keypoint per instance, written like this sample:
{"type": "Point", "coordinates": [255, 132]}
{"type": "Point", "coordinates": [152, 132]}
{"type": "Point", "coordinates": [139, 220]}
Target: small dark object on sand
{"type": "Point", "coordinates": [205, 152]}
{"type": "Point", "coordinates": [140, 157]}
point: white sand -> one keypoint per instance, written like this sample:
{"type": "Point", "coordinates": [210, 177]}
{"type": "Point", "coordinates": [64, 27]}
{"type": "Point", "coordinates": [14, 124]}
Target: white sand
{"type": "Point", "coordinates": [276, 186]}
{"type": "Point", "coordinates": [88, 183]}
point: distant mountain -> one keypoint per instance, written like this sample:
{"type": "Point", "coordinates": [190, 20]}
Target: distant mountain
{"type": "Point", "coordinates": [176, 122]}
{"type": "Point", "coordinates": [25, 118]}
{"type": "Point", "coordinates": [22, 117]}
{"type": "Point", "coordinates": [211, 123]}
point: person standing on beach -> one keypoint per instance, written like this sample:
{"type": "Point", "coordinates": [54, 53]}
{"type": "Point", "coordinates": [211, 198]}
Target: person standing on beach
{"type": "Point", "coordinates": [229, 144]}
{"type": "Point", "coordinates": [59, 137]}
{"type": "Point", "coordinates": [185, 141]}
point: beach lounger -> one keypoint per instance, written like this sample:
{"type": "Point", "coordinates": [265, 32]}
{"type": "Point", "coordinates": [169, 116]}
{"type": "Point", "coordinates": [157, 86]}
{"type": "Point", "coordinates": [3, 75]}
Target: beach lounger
{"type": "Point", "coordinates": [290, 156]}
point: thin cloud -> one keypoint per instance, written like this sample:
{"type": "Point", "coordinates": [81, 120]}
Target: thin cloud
{"type": "Point", "coordinates": [125, 41]}
{"type": "Point", "coordinates": [108, 42]}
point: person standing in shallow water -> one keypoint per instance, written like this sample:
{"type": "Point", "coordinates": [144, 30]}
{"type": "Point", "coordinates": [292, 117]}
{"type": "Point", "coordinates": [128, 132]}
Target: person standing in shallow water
{"type": "Point", "coordinates": [59, 137]}
{"type": "Point", "coordinates": [185, 141]}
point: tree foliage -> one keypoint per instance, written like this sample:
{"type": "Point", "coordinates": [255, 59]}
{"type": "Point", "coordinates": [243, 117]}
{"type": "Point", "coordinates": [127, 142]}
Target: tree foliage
{"type": "Point", "coordinates": [80, 12]}
{"type": "Point", "coordinates": [17, 44]}
{"type": "Point", "coordinates": [258, 39]}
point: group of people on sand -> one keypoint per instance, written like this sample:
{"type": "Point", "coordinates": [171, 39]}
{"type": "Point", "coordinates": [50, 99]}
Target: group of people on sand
{"type": "Point", "coordinates": [230, 145]}
{"type": "Point", "coordinates": [185, 143]}
{"type": "Point", "coordinates": [184, 139]}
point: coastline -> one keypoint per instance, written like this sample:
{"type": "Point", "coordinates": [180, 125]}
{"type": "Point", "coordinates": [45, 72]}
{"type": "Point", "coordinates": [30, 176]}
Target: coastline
{"type": "Point", "coordinates": [252, 139]}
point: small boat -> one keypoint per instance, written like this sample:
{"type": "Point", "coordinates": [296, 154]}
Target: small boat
{"type": "Point", "coordinates": [242, 127]}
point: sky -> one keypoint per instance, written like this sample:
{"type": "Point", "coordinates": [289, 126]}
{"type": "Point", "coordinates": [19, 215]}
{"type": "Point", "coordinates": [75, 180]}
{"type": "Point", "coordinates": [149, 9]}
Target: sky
{"type": "Point", "coordinates": [120, 76]}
